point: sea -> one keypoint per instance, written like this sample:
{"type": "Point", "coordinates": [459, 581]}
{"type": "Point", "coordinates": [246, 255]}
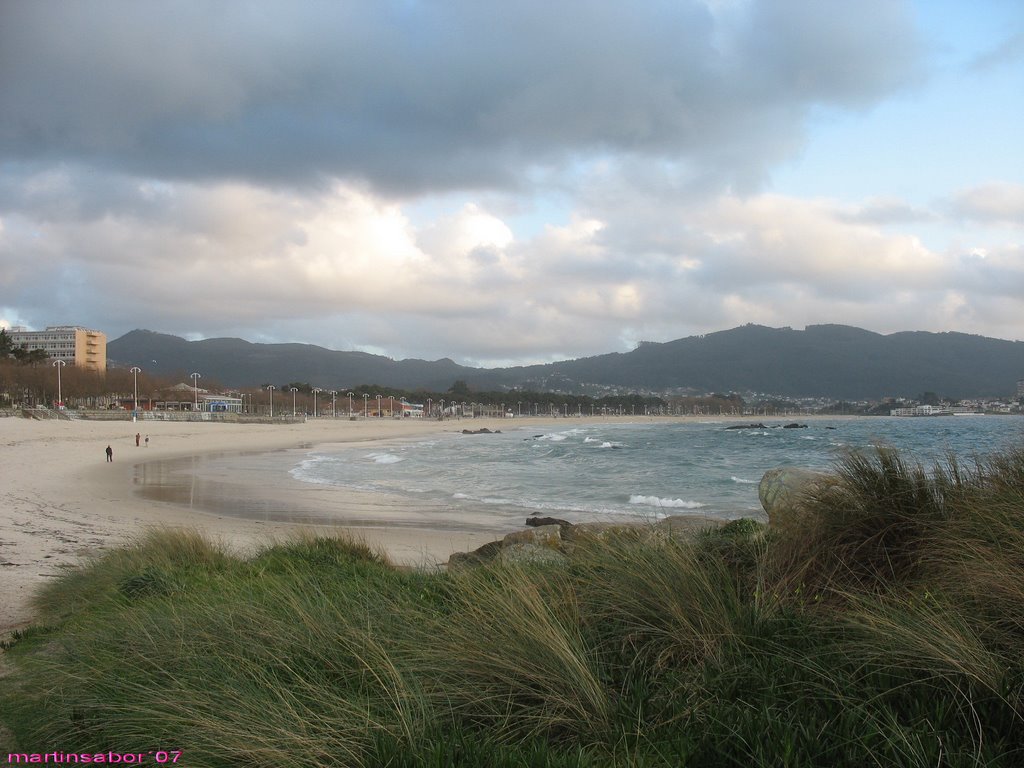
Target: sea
{"type": "Point", "coordinates": [599, 471]}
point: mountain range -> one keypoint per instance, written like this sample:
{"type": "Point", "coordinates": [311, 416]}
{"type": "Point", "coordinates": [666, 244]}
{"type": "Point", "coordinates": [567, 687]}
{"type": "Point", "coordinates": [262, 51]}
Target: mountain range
{"type": "Point", "coordinates": [823, 360]}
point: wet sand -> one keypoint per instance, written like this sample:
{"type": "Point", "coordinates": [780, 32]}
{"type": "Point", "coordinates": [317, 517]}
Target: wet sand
{"type": "Point", "coordinates": [251, 492]}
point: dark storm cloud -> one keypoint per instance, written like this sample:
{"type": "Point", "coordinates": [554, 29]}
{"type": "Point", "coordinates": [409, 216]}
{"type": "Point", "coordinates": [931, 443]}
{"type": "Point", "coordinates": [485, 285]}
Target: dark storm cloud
{"type": "Point", "coordinates": [413, 96]}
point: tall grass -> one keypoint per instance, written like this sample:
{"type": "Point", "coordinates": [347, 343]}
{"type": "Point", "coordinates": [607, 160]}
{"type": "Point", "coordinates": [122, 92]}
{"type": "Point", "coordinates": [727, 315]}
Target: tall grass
{"type": "Point", "coordinates": [509, 653]}
{"type": "Point", "coordinates": [887, 628]}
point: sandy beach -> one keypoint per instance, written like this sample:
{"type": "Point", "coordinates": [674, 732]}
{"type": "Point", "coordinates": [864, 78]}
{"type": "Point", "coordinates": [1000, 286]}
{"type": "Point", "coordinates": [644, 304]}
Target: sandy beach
{"type": "Point", "coordinates": [62, 500]}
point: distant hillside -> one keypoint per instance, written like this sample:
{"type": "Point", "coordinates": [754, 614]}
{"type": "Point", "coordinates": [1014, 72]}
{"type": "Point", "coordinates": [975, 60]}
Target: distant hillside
{"type": "Point", "coordinates": [823, 360]}
{"type": "Point", "coordinates": [239, 363]}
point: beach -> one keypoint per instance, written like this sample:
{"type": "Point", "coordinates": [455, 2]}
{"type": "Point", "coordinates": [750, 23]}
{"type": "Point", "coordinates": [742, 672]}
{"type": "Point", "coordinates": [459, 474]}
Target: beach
{"type": "Point", "coordinates": [63, 501]}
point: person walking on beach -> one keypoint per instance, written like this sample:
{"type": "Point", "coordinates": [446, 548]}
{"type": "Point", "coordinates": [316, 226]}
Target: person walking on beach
{"type": "Point", "coordinates": [138, 437]}
{"type": "Point", "coordinates": [110, 453]}
{"type": "Point", "coordinates": [147, 441]}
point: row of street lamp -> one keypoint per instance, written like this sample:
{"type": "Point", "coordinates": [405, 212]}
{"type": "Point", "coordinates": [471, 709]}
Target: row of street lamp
{"type": "Point", "coordinates": [316, 390]}
{"type": "Point", "coordinates": [135, 371]}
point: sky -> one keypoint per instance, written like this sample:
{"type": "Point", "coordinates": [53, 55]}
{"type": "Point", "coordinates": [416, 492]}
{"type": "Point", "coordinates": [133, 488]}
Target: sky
{"type": "Point", "coordinates": [511, 182]}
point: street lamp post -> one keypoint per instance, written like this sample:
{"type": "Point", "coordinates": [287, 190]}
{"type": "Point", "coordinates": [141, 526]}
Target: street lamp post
{"type": "Point", "coordinates": [271, 387]}
{"type": "Point", "coordinates": [334, 397]}
{"type": "Point", "coordinates": [350, 404]}
{"type": "Point", "coordinates": [315, 390]}
{"type": "Point", "coordinates": [429, 403]}
{"type": "Point", "coordinates": [195, 388]}
{"type": "Point", "coordinates": [293, 391]}
{"type": "Point", "coordinates": [58, 364]}
{"type": "Point", "coordinates": [365, 398]}
{"type": "Point", "coordinates": [380, 413]}
{"type": "Point", "coordinates": [135, 376]}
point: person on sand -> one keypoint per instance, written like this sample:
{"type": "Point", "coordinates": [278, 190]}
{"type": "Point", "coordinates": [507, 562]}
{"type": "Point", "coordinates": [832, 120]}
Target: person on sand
{"type": "Point", "coordinates": [138, 437]}
{"type": "Point", "coordinates": [110, 453]}
{"type": "Point", "coordinates": [147, 441]}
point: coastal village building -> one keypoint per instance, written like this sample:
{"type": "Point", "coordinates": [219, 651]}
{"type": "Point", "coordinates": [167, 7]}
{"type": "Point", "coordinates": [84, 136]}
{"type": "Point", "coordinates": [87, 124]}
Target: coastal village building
{"type": "Point", "coordinates": [74, 345]}
{"type": "Point", "coordinates": [922, 410]}
{"type": "Point", "coordinates": [185, 397]}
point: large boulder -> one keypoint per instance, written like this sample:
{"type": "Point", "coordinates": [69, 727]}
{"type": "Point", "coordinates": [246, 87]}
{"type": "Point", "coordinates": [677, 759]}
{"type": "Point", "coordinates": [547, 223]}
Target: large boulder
{"type": "Point", "coordinates": [480, 555]}
{"type": "Point", "coordinates": [544, 535]}
{"type": "Point", "coordinates": [550, 540]}
{"type": "Point", "coordinates": [534, 545]}
{"type": "Point", "coordinates": [785, 493]}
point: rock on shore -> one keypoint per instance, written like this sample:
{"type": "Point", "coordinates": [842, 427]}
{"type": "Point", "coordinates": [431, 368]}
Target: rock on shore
{"type": "Point", "coordinates": [550, 540]}
{"type": "Point", "coordinates": [785, 491]}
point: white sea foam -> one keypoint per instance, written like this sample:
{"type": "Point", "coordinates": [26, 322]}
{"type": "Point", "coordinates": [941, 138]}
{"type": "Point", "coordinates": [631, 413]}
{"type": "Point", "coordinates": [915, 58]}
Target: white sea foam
{"type": "Point", "coordinates": [309, 470]}
{"type": "Point", "coordinates": [557, 437]}
{"type": "Point", "coordinates": [602, 443]}
{"type": "Point", "coordinates": [654, 501]}
{"type": "Point", "coordinates": [554, 507]}
{"type": "Point", "coordinates": [742, 481]}
{"type": "Point", "coordinates": [303, 475]}
{"type": "Point", "coordinates": [384, 458]}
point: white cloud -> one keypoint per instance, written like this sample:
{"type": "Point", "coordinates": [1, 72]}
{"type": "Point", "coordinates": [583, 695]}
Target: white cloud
{"type": "Point", "coordinates": [996, 202]}
{"type": "Point", "coordinates": [351, 269]}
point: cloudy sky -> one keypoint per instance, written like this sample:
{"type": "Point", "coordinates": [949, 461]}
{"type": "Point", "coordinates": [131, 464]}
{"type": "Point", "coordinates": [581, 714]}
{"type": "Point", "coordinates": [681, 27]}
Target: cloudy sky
{"type": "Point", "coordinates": [504, 181]}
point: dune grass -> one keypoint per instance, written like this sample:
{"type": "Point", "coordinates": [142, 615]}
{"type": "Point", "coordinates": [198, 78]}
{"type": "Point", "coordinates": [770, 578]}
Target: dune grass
{"type": "Point", "coordinates": [886, 629]}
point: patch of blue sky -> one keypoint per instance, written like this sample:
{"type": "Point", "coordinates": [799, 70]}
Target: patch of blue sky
{"type": "Point", "coordinates": [960, 127]}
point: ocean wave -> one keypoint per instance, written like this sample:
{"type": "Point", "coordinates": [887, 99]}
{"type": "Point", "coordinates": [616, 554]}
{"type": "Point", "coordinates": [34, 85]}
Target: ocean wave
{"type": "Point", "coordinates": [384, 458]}
{"type": "Point", "coordinates": [569, 509]}
{"type": "Point", "coordinates": [308, 470]}
{"type": "Point", "coordinates": [744, 482]}
{"type": "Point", "coordinates": [602, 443]}
{"type": "Point", "coordinates": [305, 476]}
{"type": "Point", "coordinates": [654, 501]}
{"type": "Point", "coordinates": [557, 437]}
